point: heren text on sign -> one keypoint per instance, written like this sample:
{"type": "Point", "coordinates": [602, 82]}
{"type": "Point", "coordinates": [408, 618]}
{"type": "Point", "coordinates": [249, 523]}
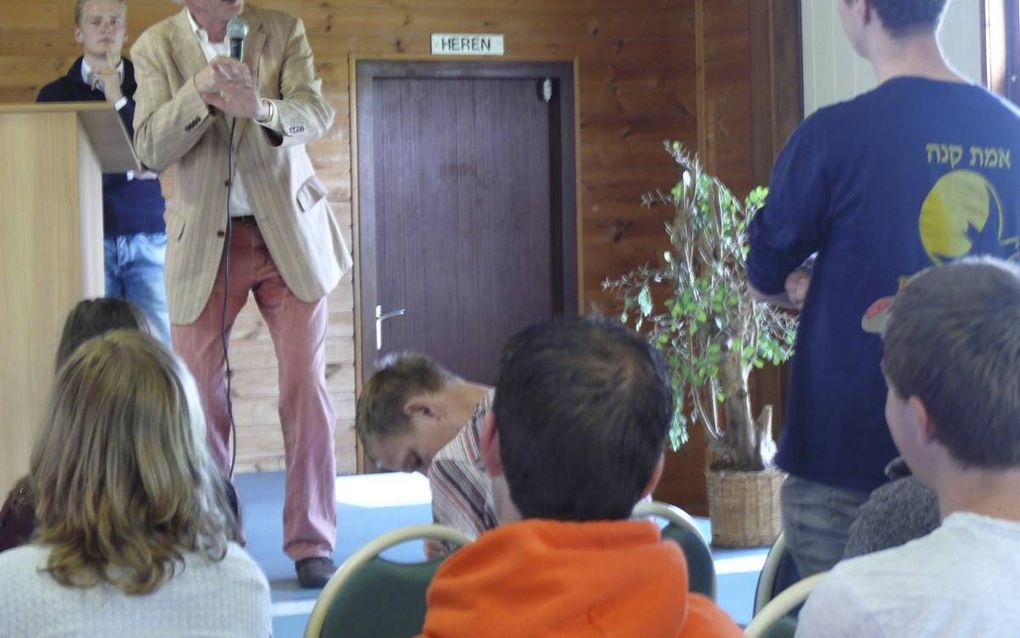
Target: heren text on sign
{"type": "Point", "coordinates": [467, 44]}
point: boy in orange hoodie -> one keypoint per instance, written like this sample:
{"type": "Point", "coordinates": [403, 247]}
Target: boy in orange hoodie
{"type": "Point", "coordinates": [575, 438]}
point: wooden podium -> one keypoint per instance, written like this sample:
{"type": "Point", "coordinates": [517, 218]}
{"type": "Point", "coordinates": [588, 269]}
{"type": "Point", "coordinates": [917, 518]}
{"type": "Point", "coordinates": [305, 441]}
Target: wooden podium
{"type": "Point", "coordinates": [51, 248]}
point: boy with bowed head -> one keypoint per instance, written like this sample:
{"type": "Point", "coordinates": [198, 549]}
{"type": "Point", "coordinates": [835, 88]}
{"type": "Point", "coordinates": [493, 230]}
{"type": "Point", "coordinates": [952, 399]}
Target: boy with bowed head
{"type": "Point", "coordinates": [414, 415]}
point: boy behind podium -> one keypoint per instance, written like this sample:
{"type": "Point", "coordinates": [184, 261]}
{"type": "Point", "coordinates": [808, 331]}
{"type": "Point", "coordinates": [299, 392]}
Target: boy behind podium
{"type": "Point", "coordinates": [574, 440]}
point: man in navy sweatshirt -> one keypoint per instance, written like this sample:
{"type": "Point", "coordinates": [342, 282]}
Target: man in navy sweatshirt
{"type": "Point", "coordinates": [134, 234]}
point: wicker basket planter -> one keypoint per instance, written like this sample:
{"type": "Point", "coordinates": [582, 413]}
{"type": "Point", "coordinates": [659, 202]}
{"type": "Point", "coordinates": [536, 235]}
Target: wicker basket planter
{"type": "Point", "coordinates": [744, 507]}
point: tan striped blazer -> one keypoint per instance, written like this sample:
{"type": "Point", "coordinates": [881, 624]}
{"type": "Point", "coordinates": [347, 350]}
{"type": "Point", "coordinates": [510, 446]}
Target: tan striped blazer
{"type": "Point", "coordinates": [174, 126]}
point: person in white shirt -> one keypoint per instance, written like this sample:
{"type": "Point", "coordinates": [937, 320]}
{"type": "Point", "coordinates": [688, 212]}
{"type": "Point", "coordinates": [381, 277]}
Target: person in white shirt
{"type": "Point", "coordinates": [951, 356]}
{"type": "Point", "coordinates": [132, 521]}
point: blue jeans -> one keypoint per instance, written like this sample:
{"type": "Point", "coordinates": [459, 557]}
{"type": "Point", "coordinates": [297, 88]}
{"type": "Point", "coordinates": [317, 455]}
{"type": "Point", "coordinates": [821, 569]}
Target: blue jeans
{"type": "Point", "coordinates": [134, 271]}
{"type": "Point", "coordinates": [816, 522]}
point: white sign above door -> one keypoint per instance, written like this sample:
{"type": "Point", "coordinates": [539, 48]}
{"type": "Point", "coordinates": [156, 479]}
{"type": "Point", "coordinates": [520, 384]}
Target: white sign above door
{"type": "Point", "coordinates": [467, 44]}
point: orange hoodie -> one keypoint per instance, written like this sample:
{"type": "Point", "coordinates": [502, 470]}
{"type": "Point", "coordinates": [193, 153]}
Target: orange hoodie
{"type": "Point", "coordinates": [551, 578]}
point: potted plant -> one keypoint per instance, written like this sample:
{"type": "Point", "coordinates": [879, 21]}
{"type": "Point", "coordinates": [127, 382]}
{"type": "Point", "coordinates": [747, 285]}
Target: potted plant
{"type": "Point", "coordinates": [696, 307]}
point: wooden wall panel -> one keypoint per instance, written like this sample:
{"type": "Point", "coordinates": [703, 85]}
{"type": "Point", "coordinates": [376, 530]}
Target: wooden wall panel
{"type": "Point", "coordinates": [649, 70]}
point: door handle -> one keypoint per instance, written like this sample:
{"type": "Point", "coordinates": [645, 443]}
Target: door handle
{"type": "Point", "coordinates": [380, 316]}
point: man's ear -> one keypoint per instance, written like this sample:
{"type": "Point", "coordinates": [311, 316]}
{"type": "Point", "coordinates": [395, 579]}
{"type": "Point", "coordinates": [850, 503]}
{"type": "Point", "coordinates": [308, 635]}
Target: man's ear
{"type": "Point", "coordinates": [653, 480]}
{"type": "Point", "coordinates": [922, 419]}
{"type": "Point", "coordinates": [419, 404]}
{"type": "Point", "coordinates": [488, 446]}
{"type": "Point", "coordinates": [865, 11]}
{"type": "Point", "coordinates": [78, 37]}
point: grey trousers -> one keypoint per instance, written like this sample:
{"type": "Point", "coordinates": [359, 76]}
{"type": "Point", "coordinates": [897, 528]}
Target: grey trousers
{"type": "Point", "coordinates": [816, 522]}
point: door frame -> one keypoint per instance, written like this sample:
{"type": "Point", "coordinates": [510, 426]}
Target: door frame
{"type": "Point", "coordinates": [566, 238]}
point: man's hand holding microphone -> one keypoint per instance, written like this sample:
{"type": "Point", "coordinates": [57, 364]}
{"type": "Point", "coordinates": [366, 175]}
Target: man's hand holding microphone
{"type": "Point", "coordinates": [229, 84]}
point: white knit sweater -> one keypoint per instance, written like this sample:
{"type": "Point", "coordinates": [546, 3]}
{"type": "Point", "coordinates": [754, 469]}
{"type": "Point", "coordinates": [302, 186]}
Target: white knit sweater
{"type": "Point", "coordinates": [229, 598]}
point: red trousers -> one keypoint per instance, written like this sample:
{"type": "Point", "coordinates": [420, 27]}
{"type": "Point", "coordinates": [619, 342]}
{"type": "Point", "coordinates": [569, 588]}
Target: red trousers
{"type": "Point", "coordinates": [298, 331]}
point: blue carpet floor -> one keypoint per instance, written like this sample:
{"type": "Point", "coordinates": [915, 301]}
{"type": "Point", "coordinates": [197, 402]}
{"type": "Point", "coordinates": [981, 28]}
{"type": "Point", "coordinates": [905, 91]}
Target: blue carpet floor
{"type": "Point", "coordinates": [370, 505]}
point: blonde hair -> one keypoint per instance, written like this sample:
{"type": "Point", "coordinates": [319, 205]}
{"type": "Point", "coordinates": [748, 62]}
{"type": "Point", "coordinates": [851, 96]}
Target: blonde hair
{"type": "Point", "coordinates": [79, 10]}
{"type": "Point", "coordinates": [398, 378]}
{"type": "Point", "coordinates": [122, 477]}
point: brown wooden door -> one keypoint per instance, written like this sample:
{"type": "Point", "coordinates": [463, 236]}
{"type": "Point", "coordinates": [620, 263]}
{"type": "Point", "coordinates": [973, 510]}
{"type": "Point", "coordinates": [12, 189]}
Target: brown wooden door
{"type": "Point", "coordinates": [467, 216]}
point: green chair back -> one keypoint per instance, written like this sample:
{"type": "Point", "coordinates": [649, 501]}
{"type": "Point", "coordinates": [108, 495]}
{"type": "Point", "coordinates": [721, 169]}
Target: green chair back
{"type": "Point", "coordinates": [680, 528]}
{"type": "Point", "coordinates": [383, 599]}
{"type": "Point", "coordinates": [372, 597]}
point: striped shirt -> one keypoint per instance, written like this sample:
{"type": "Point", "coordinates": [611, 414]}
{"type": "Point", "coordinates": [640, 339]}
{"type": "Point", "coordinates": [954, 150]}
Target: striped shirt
{"type": "Point", "coordinates": [461, 490]}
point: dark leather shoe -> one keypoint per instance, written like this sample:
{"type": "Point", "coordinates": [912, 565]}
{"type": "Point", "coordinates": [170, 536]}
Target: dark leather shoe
{"type": "Point", "coordinates": [314, 572]}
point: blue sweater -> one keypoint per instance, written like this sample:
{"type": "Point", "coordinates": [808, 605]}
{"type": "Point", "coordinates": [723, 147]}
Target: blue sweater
{"type": "Point", "coordinates": [913, 174]}
{"type": "Point", "coordinates": [129, 206]}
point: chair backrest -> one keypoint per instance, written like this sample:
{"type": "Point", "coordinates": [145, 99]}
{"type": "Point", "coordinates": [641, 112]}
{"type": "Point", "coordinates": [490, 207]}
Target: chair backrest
{"type": "Point", "coordinates": [778, 573]}
{"type": "Point", "coordinates": [772, 620]}
{"type": "Point", "coordinates": [372, 597]}
{"type": "Point", "coordinates": [681, 529]}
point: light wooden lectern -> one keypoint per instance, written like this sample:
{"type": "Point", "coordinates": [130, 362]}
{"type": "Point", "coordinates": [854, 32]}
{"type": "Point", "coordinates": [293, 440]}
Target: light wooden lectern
{"type": "Point", "coordinates": [51, 248]}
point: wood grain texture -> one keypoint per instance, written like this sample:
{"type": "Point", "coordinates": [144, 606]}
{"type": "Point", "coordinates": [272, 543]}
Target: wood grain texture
{"type": "Point", "coordinates": [47, 168]}
{"type": "Point", "coordinates": [647, 70]}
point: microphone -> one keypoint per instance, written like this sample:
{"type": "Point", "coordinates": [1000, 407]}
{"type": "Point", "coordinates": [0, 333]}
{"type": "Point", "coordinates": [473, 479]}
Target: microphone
{"type": "Point", "coordinates": [237, 31]}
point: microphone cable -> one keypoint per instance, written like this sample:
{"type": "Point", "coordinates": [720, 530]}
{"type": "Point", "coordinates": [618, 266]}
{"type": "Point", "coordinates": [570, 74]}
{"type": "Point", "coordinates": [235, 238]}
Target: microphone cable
{"type": "Point", "coordinates": [237, 30]}
{"type": "Point", "coordinates": [224, 340]}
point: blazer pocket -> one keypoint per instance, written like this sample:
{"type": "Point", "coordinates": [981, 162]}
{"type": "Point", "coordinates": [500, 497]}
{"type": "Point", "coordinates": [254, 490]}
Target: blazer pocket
{"type": "Point", "coordinates": [310, 194]}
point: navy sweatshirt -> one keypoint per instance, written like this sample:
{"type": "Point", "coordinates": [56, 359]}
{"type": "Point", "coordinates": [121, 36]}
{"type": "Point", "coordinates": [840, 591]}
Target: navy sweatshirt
{"type": "Point", "coordinates": [129, 206]}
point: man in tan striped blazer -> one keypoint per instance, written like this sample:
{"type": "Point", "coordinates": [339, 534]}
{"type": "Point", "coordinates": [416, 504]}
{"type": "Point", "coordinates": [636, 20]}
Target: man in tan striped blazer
{"type": "Point", "coordinates": [246, 195]}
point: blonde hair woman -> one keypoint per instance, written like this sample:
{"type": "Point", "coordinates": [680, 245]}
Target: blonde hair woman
{"type": "Point", "coordinates": [132, 526]}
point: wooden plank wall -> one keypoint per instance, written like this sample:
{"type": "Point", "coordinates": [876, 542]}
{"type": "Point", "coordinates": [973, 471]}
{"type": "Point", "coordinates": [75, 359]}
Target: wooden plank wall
{"type": "Point", "coordinates": [649, 70]}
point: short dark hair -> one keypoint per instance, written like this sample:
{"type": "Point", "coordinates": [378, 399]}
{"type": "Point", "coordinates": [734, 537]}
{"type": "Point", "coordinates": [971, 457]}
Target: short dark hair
{"type": "Point", "coordinates": [93, 317]}
{"type": "Point", "coordinates": [582, 407]}
{"type": "Point", "coordinates": [953, 341]}
{"type": "Point", "coordinates": [399, 377]}
{"type": "Point", "coordinates": [900, 17]}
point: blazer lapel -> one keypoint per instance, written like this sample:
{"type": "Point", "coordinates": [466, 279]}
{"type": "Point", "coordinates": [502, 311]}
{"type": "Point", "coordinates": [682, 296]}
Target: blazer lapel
{"type": "Point", "coordinates": [253, 46]}
{"type": "Point", "coordinates": [256, 40]}
{"type": "Point", "coordinates": [190, 59]}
